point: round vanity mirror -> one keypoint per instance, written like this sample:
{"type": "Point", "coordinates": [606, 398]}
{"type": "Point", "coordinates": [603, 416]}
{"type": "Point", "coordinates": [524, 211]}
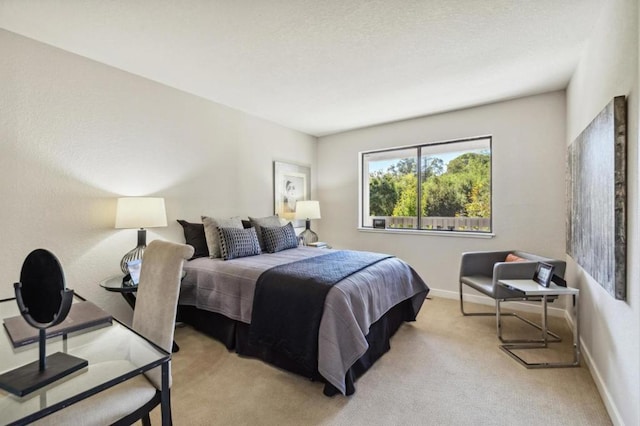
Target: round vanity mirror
{"type": "Point", "coordinates": [43, 302]}
{"type": "Point", "coordinates": [42, 285]}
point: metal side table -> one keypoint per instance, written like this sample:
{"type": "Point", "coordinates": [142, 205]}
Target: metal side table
{"type": "Point", "coordinates": [531, 288]}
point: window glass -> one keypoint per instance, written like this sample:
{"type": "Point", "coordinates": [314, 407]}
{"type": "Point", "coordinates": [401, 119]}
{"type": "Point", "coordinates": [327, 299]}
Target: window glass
{"type": "Point", "coordinates": [449, 191]}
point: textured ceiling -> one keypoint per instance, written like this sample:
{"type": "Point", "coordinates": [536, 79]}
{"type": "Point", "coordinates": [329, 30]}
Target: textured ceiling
{"type": "Point", "coordinates": [324, 66]}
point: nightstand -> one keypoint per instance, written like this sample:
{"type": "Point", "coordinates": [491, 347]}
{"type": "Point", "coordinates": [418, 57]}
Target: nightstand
{"type": "Point", "coordinates": [531, 288]}
{"type": "Point", "coordinates": [117, 284]}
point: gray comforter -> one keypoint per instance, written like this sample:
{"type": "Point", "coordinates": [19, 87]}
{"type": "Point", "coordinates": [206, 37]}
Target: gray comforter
{"type": "Point", "coordinates": [351, 306]}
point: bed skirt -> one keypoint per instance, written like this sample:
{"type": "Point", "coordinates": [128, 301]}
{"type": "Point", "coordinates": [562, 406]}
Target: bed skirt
{"type": "Point", "coordinates": [235, 336]}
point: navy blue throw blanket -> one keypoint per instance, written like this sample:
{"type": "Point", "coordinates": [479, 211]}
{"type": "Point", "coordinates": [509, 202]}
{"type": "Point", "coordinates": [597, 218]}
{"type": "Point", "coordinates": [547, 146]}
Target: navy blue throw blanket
{"type": "Point", "coordinates": [289, 301]}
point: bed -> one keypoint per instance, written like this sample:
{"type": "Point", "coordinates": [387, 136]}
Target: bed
{"type": "Point", "coordinates": [361, 312]}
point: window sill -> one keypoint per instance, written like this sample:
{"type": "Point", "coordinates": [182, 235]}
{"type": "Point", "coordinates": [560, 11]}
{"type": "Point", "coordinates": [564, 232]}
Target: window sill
{"type": "Point", "coordinates": [456, 234]}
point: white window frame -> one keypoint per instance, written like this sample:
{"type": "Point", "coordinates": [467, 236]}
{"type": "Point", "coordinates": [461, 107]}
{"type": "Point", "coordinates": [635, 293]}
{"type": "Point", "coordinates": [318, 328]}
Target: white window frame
{"type": "Point", "coordinates": [363, 186]}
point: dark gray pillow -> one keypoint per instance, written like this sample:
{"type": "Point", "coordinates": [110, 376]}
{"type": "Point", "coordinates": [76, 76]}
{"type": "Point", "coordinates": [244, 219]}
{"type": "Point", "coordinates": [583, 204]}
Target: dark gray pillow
{"type": "Point", "coordinates": [238, 242]}
{"type": "Point", "coordinates": [279, 238]}
{"type": "Point", "coordinates": [194, 236]}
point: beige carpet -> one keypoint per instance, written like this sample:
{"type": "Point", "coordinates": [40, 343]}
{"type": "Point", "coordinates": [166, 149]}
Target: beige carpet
{"type": "Point", "coordinates": [443, 369]}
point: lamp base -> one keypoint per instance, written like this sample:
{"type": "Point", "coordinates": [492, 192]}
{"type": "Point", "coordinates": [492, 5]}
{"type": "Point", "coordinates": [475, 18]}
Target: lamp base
{"type": "Point", "coordinates": [136, 253]}
{"type": "Point", "coordinates": [308, 236]}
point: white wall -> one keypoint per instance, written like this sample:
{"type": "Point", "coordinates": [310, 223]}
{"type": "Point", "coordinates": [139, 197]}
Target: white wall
{"type": "Point", "coordinates": [76, 134]}
{"type": "Point", "coordinates": [611, 328]}
{"type": "Point", "coordinates": [528, 184]}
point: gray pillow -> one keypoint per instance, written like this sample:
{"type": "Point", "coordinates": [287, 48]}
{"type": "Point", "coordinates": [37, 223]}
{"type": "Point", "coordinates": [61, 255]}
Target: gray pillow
{"type": "Point", "coordinates": [211, 232]}
{"type": "Point", "coordinates": [267, 222]}
{"type": "Point", "coordinates": [280, 238]}
{"type": "Point", "coordinates": [236, 242]}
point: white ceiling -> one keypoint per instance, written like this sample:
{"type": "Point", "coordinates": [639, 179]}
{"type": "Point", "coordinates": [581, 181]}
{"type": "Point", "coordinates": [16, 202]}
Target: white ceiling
{"type": "Point", "coordinates": [325, 66]}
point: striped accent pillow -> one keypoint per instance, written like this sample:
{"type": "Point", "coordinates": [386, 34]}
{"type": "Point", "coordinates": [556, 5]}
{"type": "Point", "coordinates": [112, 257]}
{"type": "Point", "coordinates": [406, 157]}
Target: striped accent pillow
{"type": "Point", "coordinates": [238, 242]}
{"type": "Point", "coordinates": [279, 238]}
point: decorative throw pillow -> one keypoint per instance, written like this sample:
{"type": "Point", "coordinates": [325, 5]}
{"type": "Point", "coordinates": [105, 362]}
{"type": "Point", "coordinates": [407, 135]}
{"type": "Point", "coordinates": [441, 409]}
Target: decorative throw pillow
{"type": "Point", "coordinates": [194, 236]}
{"type": "Point", "coordinates": [267, 222]}
{"type": "Point", "coordinates": [211, 232]}
{"type": "Point", "coordinates": [238, 242]}
{"type": "Point", "coordinates": [279, 238]}
{"type": "Point", "coordinates": [513, 258]}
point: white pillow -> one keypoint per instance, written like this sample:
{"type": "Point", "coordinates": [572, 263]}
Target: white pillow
{"type": "Point", "coordinates": [211, 232]}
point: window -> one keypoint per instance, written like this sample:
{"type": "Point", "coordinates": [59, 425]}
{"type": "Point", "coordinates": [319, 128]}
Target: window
{"type": "Point", "coordinates": [450, 190]}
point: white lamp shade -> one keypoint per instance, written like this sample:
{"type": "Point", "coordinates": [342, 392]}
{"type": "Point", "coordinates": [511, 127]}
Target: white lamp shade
{"type": "Point", "coordinates": [140, 212]}
{"type": "Point", "coordinates": [307, 210]}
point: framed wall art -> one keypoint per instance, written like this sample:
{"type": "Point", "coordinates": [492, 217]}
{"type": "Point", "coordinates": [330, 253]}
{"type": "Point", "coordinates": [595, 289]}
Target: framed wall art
{"type": "Point", "coordinates": [543, 274]}
{"type": "Point", "coordinates": [597, 198]}
{"type": "Point", "coordinates": [291, 183]}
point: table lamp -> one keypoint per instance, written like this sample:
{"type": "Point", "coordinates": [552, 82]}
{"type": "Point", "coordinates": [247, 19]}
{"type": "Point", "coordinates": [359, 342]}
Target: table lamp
{"type": "Point", "coordinates": [139, 212]}
{"type": "Point", "coordinates": [308, 210]}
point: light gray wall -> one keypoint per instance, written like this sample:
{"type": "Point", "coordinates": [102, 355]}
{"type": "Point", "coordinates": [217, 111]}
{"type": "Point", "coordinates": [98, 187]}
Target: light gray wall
{"type": "Point", "coordinates": [611, 328]}
{"type": "Point", "coordinates": [528, 184]}
{"type": "Point", "coordinates": [76, 134]}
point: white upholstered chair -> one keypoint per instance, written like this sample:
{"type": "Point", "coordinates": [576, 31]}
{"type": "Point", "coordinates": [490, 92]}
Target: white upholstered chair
{"type": "Point", "coordinates": [154, 318]}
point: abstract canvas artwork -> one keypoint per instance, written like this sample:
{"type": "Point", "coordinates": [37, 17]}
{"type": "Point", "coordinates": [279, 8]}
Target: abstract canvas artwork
{"type": "Point", "coordinates": [597, 194]}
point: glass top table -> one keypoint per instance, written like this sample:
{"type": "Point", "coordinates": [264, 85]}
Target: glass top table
{"type": "Point", "coordinates": [115, 353]}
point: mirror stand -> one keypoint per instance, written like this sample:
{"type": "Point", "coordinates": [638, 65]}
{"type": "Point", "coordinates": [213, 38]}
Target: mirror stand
{"type": "Point", "coordinates": [47, 369]}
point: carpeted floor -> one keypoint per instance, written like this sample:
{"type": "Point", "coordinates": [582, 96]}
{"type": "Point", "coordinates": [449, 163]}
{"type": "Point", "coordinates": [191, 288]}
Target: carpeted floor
{"type": "Point", "coordinates": [443, 369]}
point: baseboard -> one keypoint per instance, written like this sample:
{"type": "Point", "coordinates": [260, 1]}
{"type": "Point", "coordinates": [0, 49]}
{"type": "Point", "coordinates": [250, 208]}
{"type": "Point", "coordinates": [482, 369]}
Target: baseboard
{"type": "Point", "coordinates": [586, 358]}
{"type": "Point", "coordinates": [484, 300]}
